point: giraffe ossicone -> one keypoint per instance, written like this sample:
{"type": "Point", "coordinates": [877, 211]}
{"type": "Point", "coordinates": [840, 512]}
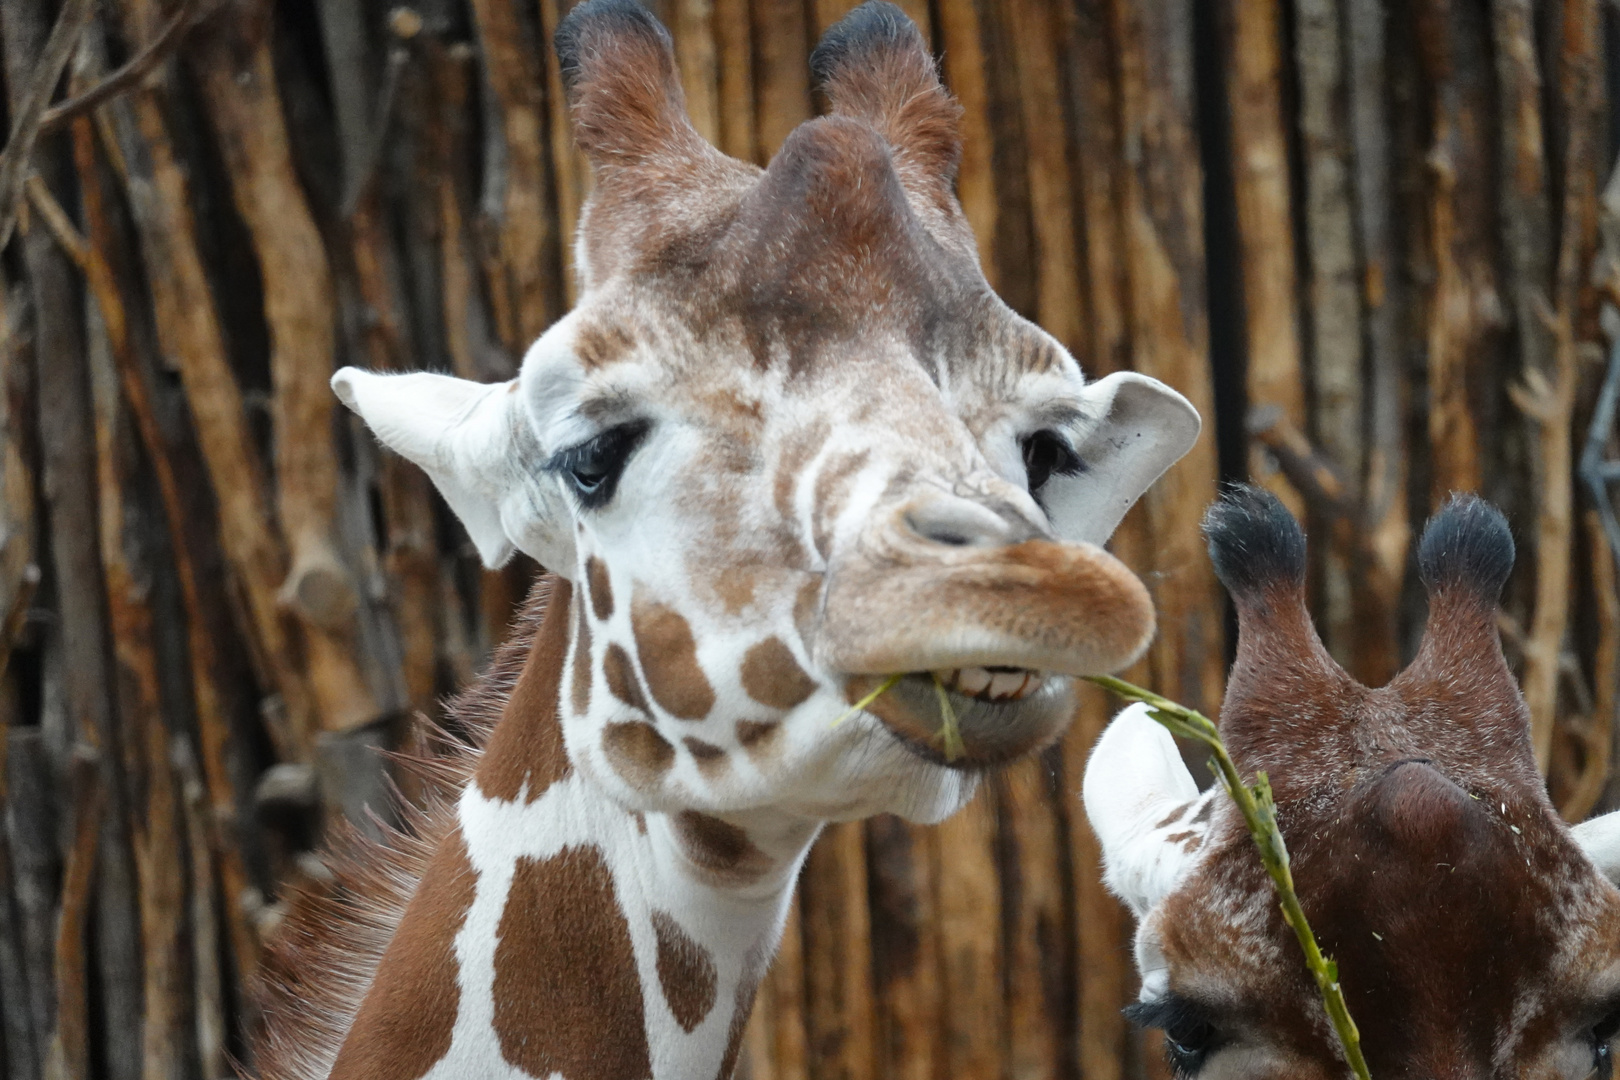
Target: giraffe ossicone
{"type": "Point", "coordinates": [1476, 935]}
{"type": "Point", "coordinates": [788, 445]}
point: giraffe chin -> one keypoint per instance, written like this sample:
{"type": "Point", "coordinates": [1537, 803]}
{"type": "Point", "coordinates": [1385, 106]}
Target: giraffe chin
{"type": "Point", "coordinates": [999, 721]}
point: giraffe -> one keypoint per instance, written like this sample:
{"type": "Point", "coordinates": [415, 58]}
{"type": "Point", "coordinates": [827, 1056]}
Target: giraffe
{"type": "Point", "coordinates": [788, 445]}
{"type": "Point", "coordinates": [1476, 934]}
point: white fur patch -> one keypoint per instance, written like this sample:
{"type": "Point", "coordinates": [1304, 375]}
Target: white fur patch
{"type": "Point", "coordinates": [1600, 839]}
{"type": "Point", "coordinates": [1138, 795]}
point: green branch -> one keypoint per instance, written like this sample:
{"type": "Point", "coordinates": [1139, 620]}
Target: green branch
{"type": "Point", "coordinates": [1260, 812]}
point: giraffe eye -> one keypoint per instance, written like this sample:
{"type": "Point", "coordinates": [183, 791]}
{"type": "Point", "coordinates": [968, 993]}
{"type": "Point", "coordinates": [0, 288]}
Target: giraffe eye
{"type": "Point", "coordinates": [592, 468]}
{"type": "Point", "coordinates": [1190, 1036]}
{"type": "Point", "coordinates": [1603, 1038]}
{"type": "Point", "coordinates": [1047, 452]}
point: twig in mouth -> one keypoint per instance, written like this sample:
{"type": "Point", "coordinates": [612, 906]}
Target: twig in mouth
{"type": "Point", "coordinates": [884, 687]}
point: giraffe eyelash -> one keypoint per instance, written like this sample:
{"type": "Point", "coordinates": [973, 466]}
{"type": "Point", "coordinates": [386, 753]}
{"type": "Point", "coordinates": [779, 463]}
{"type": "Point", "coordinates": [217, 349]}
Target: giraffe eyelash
{"type": "Point", "coordinates": [1046, 453]}
{"type": "Point", "coordinates": [591, 469]}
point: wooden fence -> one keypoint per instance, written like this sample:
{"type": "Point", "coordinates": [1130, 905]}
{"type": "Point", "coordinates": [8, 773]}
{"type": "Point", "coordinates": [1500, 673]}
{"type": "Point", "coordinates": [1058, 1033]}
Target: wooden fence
{"type": "Point", "coordinates": [1368, 239]}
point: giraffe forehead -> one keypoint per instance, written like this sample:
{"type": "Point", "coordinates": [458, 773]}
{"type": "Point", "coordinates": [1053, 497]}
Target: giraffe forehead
{"type": "Point", "coordinates": [1514, 935]}
{"type": "Point", "coordinates": [740, 369]}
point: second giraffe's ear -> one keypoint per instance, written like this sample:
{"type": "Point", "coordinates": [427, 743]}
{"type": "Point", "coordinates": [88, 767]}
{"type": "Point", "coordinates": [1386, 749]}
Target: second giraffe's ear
{"type": "Point", "coordinates": [476, 443]}
{"type": "Point", "coordinates": [1600, 839]}
{"type": "Point", "coordinates": [1144, 428]}
{"type": "Point", "coordinates": [1145, 809]}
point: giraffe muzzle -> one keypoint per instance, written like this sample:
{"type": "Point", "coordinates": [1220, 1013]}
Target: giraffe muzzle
{"type": "Point", "coordinates": [991, 636]}
{"type": "Point", "coordinates": [1036, 606]}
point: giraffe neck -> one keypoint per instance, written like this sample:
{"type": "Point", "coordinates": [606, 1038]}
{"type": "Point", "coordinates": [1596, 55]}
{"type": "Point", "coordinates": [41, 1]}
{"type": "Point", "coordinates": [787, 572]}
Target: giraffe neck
{"type": "Point", "coordinates": [554, 931]}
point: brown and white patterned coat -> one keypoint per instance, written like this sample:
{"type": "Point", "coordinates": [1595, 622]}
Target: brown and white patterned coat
{"type": "Point", "coordinates": [1477, 935]}
{"type": "Point", "coordinates": [789, 443]}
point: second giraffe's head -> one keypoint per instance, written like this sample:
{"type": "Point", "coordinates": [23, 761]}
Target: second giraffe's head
{"type": "Point", "coordinates": [789, 444]}
{"type": "Point", "coordinates": [1477, 936]}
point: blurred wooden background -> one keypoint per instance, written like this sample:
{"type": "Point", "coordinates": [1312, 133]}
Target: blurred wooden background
{"type": "Point", "coordinates": [1369, 239]}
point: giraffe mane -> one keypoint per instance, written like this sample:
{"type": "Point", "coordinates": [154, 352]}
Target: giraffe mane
{"type": "Point", "coordinates": [322, 960]}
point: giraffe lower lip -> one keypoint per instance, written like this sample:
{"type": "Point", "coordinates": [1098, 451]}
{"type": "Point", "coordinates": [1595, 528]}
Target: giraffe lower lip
{"type": "Point", "coordinates": [993, 684]}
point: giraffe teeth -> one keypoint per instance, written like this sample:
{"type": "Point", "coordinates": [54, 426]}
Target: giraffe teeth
{"type": "Point", "coordinates": [973, 681]}
{"type": "Point", "coordinates": [1001, 685]}
{"type": "Point", "coordinates": [1007, 685]}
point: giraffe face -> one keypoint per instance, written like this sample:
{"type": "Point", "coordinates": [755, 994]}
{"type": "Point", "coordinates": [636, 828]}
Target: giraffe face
{"type": "Point", "coordinates": [1476, 935]}
{"type": "Point", "coordinates": [790, 444]}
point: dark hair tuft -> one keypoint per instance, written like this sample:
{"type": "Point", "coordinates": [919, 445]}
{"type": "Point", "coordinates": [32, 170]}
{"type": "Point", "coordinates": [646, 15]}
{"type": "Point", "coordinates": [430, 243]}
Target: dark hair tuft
{"type": "Point", "coordinates": [1467, 543]}
{"type": "Point", "coordinates": [1254, 541]}
{"type": "Point", "coordinates": [875, 24]}
{"type": "Point", "coordinates": [620, 16]}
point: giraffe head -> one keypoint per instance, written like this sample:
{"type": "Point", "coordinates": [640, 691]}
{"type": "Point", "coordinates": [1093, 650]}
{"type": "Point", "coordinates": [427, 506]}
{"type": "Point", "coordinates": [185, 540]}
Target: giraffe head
{"type": "Point", "coordinates": [1477, 936]}
{"type": "Point", "coordinates": [789, 443]}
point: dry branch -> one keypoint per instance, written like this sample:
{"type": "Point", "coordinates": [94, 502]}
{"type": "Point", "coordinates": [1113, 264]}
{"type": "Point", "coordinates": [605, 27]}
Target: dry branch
{"type": "Point", "coordinates": [519, 235]}
{"type": "Point", "coordinates": [191, 336]}
{"type": "Point", "coordinates": [1333, 315]}
{"type": "Point", "coordinates": [239, 88]}
{"type": "Point", "coordinates": [967, 905]}
{"type": "Point", "coordinates": [154, 828]}
{"type": "Point", "coordinates": [1383, 475]}
{"type": "Point", "coordinates": [130, 73]}
{"type": "Point", "coordinates": [1034, 918]}
{"type": "Point", "coordinates": [31, 93]}
{"type": "Point", "coordinates": [68, 1056]}
{"type": "Point", "coordinates": [1265, 219]}
{"type": "Point", "coordinates": [31, 834]}
{"type": "Point", "coordinates": [905, 950]}
{"type": "Point", "coordinates": [1596, 730]}
{"type": "Point", "coordinates": [966, 74]}
{"type": "Point", "coordinates": [840, 1013]}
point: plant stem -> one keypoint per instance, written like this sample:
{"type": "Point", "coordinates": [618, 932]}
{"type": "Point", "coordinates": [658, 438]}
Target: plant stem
{"type": "Point", "coordinates": [1260, 813]}
{"type": "Point", "coordinates": [884, 687]}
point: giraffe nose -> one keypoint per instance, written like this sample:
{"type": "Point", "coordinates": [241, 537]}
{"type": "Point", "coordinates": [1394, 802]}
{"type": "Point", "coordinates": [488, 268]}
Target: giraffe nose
{"type": "Point", "coordinates": [958, 522]}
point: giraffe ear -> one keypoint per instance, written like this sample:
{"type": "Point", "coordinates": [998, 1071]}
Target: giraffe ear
{"type": "Point", "coordinates": [1140, 800]}
{"type": "Point", "coordinates": [618, 69]}
{"type": "Point", "coordinates": [874, 65]}
{"type": "Point", "coordinates": [476, 443]}
{"type": "Point", "coordinates": [1600, 839]}
{"type": "Point", "coordinates": [1145, 427]}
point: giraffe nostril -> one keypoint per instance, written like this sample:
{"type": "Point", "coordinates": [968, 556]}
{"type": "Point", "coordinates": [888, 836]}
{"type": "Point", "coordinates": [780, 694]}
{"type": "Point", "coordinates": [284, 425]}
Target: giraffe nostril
{"type": "Point", "coordinates": [954, 522]}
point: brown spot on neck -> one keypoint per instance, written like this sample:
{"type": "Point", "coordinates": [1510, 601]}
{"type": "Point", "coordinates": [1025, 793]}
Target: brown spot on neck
{"type": "Point", "coordinates": [668, 656]}
{"type": "Point", "coordinates": [736, 588]}
{"type": "Point", "coordinates": [637, 752]}
{"type": "Point", "coordinates": [773, 677]}
{"type": "Point", "coordinates": [807, 605]}
{"type": "Point", "coordinates": [527, 744]}
{"type": "Point", "coordinates": [567, 992]}
{"type": "Point", "coordinates": [1174, 816]}
{"type": "Point", "coordinates": [601, 586]}
{"type": "Point", "coordinates": [685, 971]}
{"type": "Point", "coordinates": [621, 677]}
{"type": "Point", "coordinates": [742, 1005]}
{"type": "Point", "coordinates": [710, 758]}
{"type": "Point", "coordinates": [582, 663]}
{"type": "Point", "coordinates": [757, 736]}
{"type": "Point", "coordinates": [719, 849]}
{"type": "Point", "coordinates": [408, 1016]}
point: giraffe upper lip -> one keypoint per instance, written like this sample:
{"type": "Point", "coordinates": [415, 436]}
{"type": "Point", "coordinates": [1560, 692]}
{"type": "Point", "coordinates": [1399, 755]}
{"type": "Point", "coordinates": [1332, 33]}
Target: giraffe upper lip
{"type": "Point", "coordinates": [1070, 609]}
